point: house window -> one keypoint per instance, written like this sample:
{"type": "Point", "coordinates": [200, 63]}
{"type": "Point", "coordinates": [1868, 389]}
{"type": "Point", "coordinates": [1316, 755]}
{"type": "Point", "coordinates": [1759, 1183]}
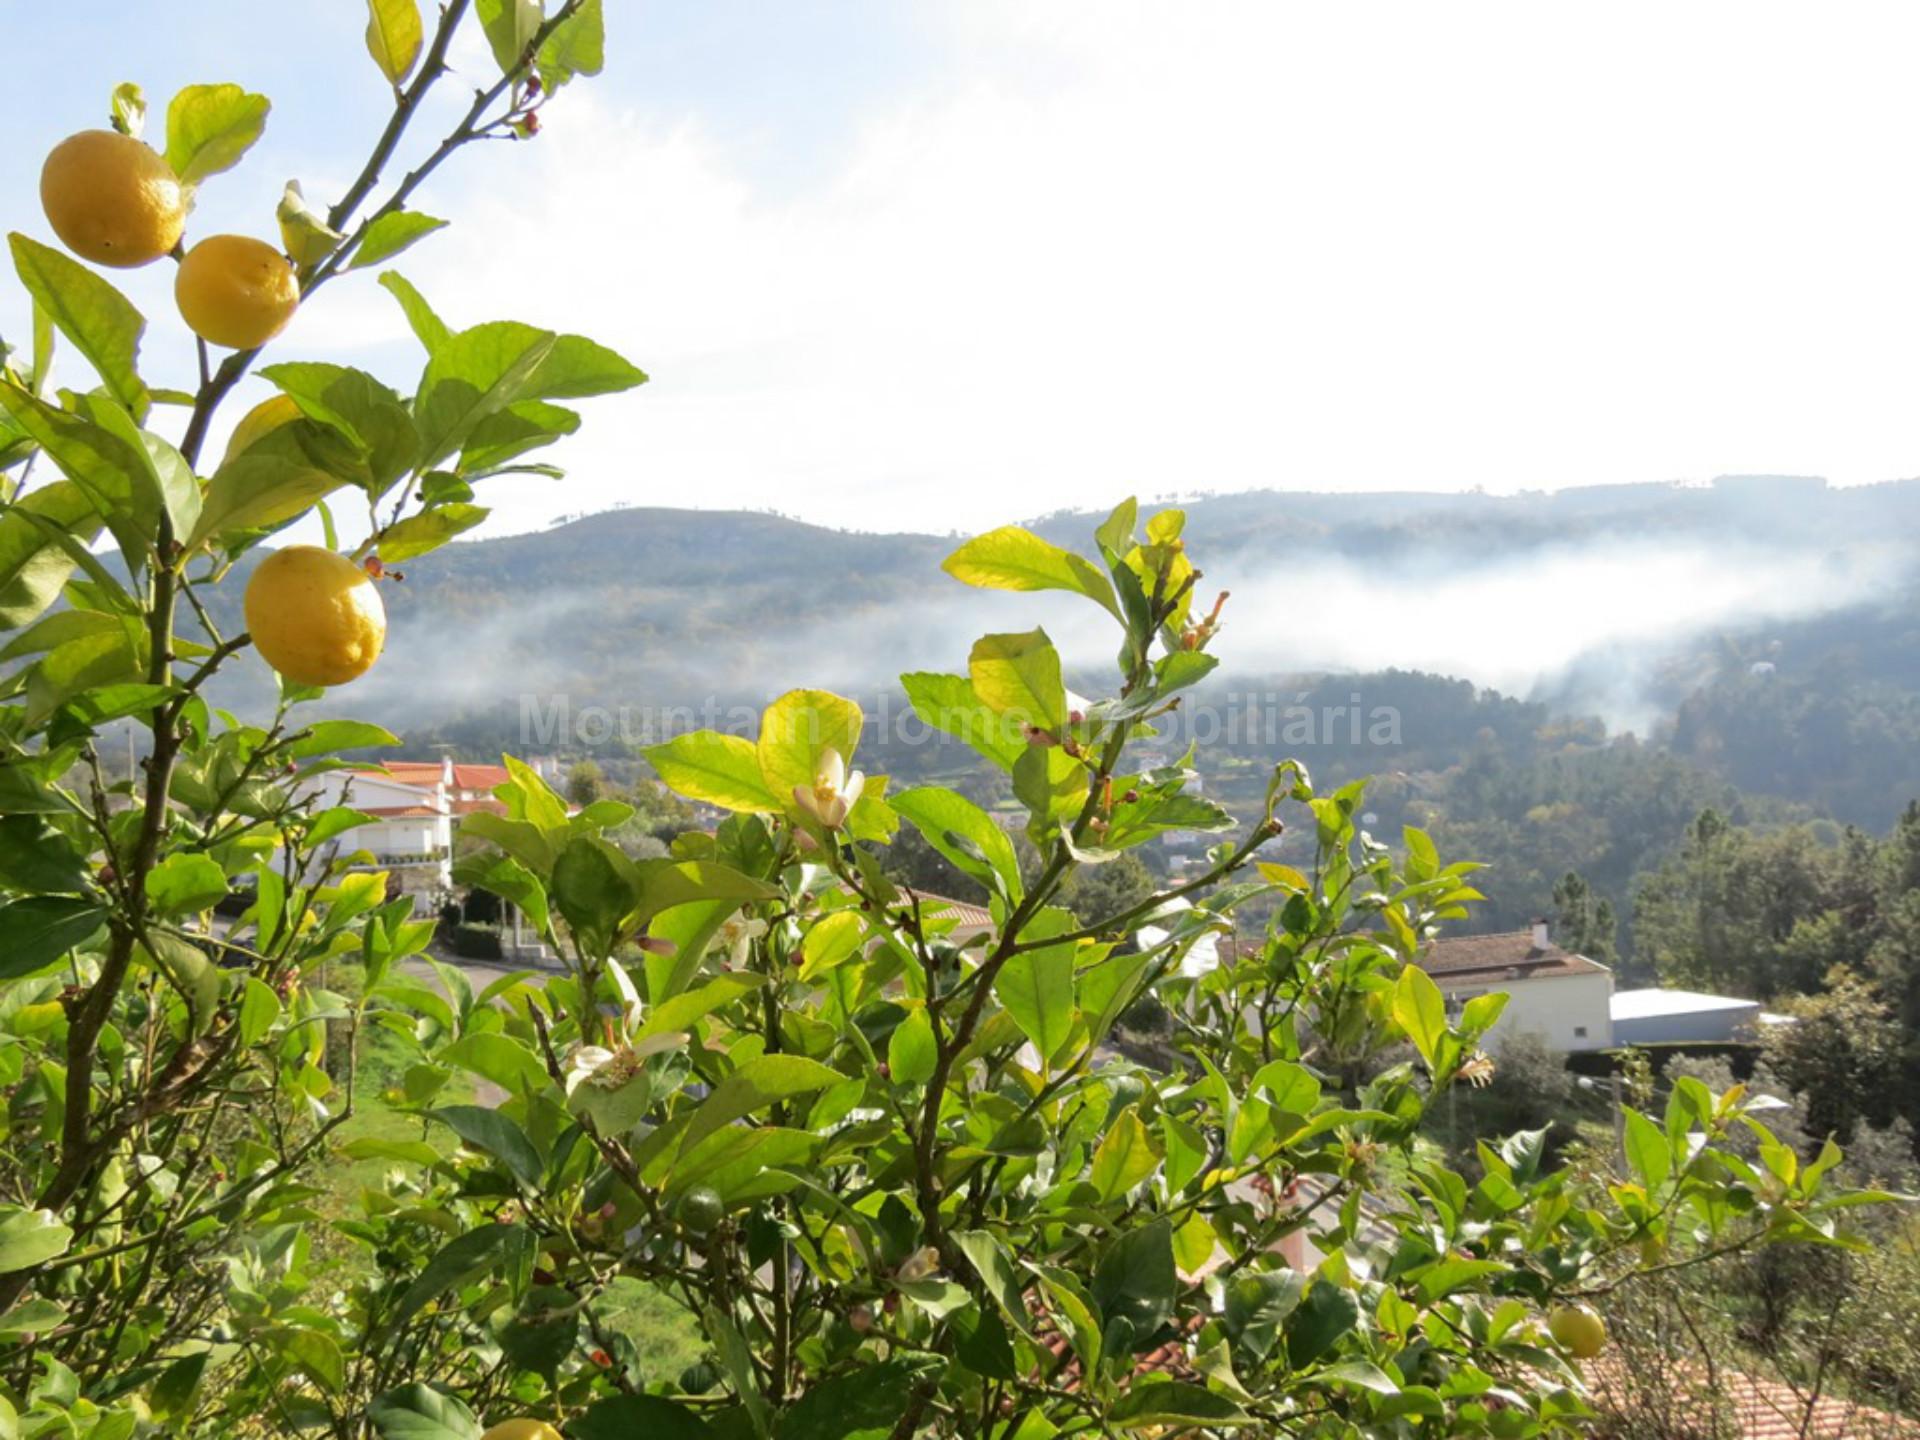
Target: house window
{"type": "Point", "coordinates": [1579, 1032]}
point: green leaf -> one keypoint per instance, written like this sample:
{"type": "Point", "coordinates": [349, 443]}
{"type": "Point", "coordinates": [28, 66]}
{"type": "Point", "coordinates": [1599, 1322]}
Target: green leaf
{"type": "Point", "coordinates": [864, 1404]}
{"type": "Point", "coordinates": [184, 883]}
{"type": "Point", "coordinates": [911, 1050]}
{"type": "Point", "coordinates": [190, 972]}
{"type": "Point", "coordinates": [500, 1058]}
{"type": "Point", "coordinates": [683, 1010]}
{"type": "Point", "coordinates": [831, 942]}
{"type": "Point", "coordinates": [254, 491]}
{"type": "Point", "coordinates": [357, 407]}
{"type": "Point", "coordinates": [1019, 676]}
{"type": "Point", "coordinates": [1135, 1280]}
{"type": "Point", "coordinates": [31, 1317]}
{"type": "Point", "coordinates": [209, 127]}
{"type": "Point", "coordinates": [577, 47]}
{"type": "Point", "coordinates": [77, 666]}
{"type": "Point", "coordinates": [112, 475]}
{"type": "Point", "coordinates": [397, 229]}
{"type": "Point", "coordinates": [39, 930]}
{"type": "Point", "coordinates": [1292, 1088]}
{"type": "Point", "coordinates": [418, 534]}
{"type": "Point", "coordinates": [1258, 1304]}
{"type": "Point", "coordinates": [260, 1008]}
{"type": "Point", "coordinates": [940, 814]}
{"type": "Point", "coordinates": [173, 1393]}
{"type": "Point", "coordinates": [1012, 558]}
{"type": "Point", "coordinates": [419, 1412]}
{"type": "Point", "coordinates": [991, 1262]}
{"type": "Point", "coordinates": [1161, 1404]}
{"type": "Point", "coordinates": [1363, 1373]}
{"type": "Point", "coordinates": [763, 1081]}
{"type": "Point", "coordinates": [795, 731]}
{"type": "Point", "coordinates": [510, 26]}
{"type": "Point", "coordinates": [33, 564]}
{"type": "Point", "coordinates": [427, 327]}
{"type": "Point", "coordinates": [523, 426]}
{"type": "Point", "coordinates": [460, 1261]}
{"type": "Point", "coordinates": [36, 858]}
{"type": "Point", "coordinates": [1647, 1150]}
{"type": "Point", "coordinates": [97, 319]}
{"type": "Point", "coordinates": [1036, 987]}
{"type": "Point", "coordinates": [394, 36]}
{"type": "Point", "coordinates": [30, 1237]}
{"type": "Point", "coordinates": [1125, 1157]}
{"type": "Point", "coordinates": [315, 1353]}
{"type": "Point", "coordinates": [577, 367]}
{"type": "Point", "coordinates": [498, 1135]}
{"type": "Point", "coordinates": [1421, 1011]}
{"type": "Point", "coordinates": [330, 737]}
{"type": "Point", "coordinates": [947, 703]}
{"type": "Point", "coordinates": [594, 888]}
{"type": "Point", "coordinates": [1327, 1313]}
{"type": "Point", "coordinates": [722, 770]}
{"type": "Point", "coordinates": [624, 1416]}
{"type": "Point", "coordinates": [471, 375]}
{"type": "Point", "coordinates": [542, 1334]}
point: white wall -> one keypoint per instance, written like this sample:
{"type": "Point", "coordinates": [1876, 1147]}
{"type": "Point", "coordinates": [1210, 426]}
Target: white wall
{"type": "Point", "coordinates": [1556, 1008]}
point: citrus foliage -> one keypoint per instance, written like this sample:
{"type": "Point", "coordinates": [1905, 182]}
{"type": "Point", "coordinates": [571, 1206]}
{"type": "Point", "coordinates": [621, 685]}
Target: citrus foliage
{"type": "Point", "coordinates": [884, 1163]}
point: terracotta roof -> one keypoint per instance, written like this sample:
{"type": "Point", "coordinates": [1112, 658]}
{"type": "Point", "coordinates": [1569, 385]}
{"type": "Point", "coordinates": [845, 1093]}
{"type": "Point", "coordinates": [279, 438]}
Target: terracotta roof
{"type": "Point", "coordinates": [407, 772]}
{"type": "Point", "coordinates": [968, 917]}
{"type": "Point", "coordinates": [1756, 1409]}
{"type": "Point", "coordinates": [400, 812]}
{"type": "Point", "coordinates": [479, 777]}
{"type": "Point", "coordinates": [1512, 955]}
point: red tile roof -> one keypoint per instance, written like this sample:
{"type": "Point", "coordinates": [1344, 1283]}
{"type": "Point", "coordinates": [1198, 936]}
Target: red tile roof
{"type": "Point", "coordinates": [969, 918]}
{"type": "Point", "coordinates": [1755, 1409]}
{"type": "Point", "coordinates": [398, 812]}
{"type": "Point", "coordinates": [1512, 955]}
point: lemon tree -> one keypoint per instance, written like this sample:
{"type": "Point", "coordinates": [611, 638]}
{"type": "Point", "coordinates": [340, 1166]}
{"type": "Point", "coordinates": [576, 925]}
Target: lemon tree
{"type": "Point", "coordinates": [879, 1165]}
{"type": "Point", "coordinates": [176, 1062]}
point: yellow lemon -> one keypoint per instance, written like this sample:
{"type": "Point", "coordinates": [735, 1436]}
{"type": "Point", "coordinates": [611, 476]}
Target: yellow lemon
{"type": "Point", "coordinates": [236, 291]}
{"type": "Point", "coordinates": [522, 1429]}
{"type": "Point", "coordinates": [1580, 1329]}
{"type": "Point", "coordinates": [315, 616]}
{"type": "Point", "coordinates": [112, 199]}
{"type": "Point", "coordinates": [259, 422]}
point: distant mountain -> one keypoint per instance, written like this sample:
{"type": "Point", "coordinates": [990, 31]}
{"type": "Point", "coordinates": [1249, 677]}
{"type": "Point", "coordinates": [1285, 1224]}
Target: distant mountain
{"type": "Point", "coordinates": [665, 607]}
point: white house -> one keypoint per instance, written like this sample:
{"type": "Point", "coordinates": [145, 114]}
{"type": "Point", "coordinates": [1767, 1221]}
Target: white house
{"type": "Point", "coordinates": [1563, 998]}
{"type": "Point", "coordinates": [410, 825]}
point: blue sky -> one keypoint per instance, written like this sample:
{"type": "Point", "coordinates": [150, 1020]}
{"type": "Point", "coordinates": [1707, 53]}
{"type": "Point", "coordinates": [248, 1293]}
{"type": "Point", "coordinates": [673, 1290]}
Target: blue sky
{"type": "Point", "coordinates": [944, 263]}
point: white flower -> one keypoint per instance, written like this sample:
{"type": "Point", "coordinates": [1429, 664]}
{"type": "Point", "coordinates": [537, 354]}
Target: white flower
{"type": "Point", "coordinates": [584, 1062]}
{"type": "Point", "coordinates": [833, 793]}
{"type": "Point", "coordinates": [736, 937]}
{"type": "Point", "coordinates": [923, 1264]}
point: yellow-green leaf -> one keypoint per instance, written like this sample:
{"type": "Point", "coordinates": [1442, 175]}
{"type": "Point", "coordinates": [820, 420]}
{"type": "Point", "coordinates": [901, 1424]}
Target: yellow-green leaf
{"type": "Point", "coordinates": [209, 127]}
{"type": "Point", "coordinates": [394, 36]}
{"type": "Point", "coordinates": [1126, 1156]}
{"type": "Point", "coordinates": [1019, 675]}
{"type": "Point", "coordinates": [796, 730]}
{"type": "Point", "coordinates": [722, 770]}
{"type": "Point", "coordinates": [1013, 558]}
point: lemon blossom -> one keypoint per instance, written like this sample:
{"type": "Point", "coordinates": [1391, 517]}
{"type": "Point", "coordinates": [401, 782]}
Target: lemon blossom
{"type": "Point", "coordinates": [585, 1062]}
{"type": "Point", "coordinates": [833, 793]}
{"type": "Point", "coordinates": [737, 935]}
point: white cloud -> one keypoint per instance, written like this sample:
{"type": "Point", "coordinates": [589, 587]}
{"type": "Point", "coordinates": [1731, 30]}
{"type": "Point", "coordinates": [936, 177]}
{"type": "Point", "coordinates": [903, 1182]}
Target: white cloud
{"type": "Point", "coordinates": [1138, 247]}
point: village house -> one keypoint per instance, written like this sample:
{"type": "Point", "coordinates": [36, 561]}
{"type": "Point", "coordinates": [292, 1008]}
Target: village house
{"type": "Point", "coordinates": [1564, 999]}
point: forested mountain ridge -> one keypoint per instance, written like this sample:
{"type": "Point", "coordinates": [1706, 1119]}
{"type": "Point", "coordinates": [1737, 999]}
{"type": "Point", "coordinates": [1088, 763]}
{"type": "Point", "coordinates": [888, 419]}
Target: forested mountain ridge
{"type": "Point", "coordinates": [1773, 666]}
